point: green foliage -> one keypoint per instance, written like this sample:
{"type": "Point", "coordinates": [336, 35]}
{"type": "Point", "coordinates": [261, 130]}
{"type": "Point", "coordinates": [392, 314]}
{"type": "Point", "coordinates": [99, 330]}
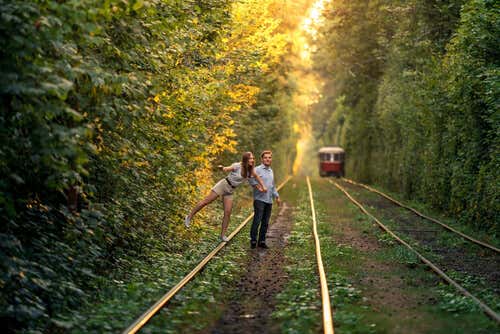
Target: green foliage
{"type": "Point", "coordinates": [472, 69]}
{"type": "Point", "coordinates": [412, 94]}
{"type": "Point", "coordinates": [406, 256]}
{"type": "Point", "coordinates": [117, 110]}
{"type": "Point", "coordinates": [454, 302]}
{"type": "Point", "coordinates": [386, 238]}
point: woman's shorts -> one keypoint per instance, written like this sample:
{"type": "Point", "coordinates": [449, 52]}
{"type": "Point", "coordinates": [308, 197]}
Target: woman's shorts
{"type": "Point", "coordinates": [222, 188]}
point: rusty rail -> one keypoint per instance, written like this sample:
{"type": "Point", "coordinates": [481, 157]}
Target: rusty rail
{"type": "Point", "coordinates": [325, 297]}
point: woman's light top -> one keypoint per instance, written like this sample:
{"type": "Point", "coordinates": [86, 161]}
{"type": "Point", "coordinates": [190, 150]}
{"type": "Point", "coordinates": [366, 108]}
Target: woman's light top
{"type": "Point", "coordinates": [235, 177]}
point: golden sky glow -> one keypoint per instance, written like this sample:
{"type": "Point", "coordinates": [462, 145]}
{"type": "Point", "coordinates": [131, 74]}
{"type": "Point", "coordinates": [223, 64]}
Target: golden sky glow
{"type": "Point", "coordinates": [308, 88]}
{"type": "Point", "coordinates": [314, 19]}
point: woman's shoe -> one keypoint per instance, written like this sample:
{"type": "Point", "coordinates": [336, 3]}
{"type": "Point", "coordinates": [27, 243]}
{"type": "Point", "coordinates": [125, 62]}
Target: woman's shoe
{"type": "Point", "coordinates": [224, 238]}
{"type": "Point", "coordinates": [187, 221]}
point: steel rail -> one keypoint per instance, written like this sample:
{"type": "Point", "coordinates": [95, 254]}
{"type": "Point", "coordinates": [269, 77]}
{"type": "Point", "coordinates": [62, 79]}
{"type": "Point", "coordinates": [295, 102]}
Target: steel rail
{"type": "Point", "coordinates": [495, 316]}
{"type": "Point", "coordinates": [146, 316]}
{"type": "Point", "coordinates": [325, 296]}
{"type": "Point", "coordinates": [479, 242]}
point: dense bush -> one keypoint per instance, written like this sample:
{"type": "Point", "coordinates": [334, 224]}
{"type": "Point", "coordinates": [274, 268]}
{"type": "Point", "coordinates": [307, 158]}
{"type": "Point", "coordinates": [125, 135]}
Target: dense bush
{"type": "Point", "coordinates": [412, 93]}
{"type": "Point", "coordinates": [112, 114]}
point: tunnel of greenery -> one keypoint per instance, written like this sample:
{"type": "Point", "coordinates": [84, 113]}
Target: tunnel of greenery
{"type": "Point", "coordinates": [412, 93]}
{"type": "Point", "coordinates": [114, 114]}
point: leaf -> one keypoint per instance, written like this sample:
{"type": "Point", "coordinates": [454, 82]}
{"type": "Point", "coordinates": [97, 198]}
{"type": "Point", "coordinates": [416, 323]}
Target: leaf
{"type": "Point", "coordinates": [75, 115]}
{"type": "Point", "coordinates": [17, 178]}
{"type": "Point", "coordinates": [66, 324]}
{"type": "Point", "coordinates": [59, 89]}
{"type": "Point", "coordinates": [138, 5]}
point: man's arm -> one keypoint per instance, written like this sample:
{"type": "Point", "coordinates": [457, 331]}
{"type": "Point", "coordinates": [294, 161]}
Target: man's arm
{"type": "Point", "coordinates": [275, 193]}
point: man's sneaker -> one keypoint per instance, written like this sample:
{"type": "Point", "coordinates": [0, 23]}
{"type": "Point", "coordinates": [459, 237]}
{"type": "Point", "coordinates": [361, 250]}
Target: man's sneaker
{"type": "Point", "coordinates": [263, 245]}
{"type": "Point", "coordinates": [253, 244]}
{"type": "Point", "coordinates": [187, 221]}
{"type": "Point", "coordinates": [224, 238]}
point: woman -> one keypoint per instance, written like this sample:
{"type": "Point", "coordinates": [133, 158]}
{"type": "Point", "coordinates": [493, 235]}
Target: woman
{"type": "Point", "coordinates": [239, 172]}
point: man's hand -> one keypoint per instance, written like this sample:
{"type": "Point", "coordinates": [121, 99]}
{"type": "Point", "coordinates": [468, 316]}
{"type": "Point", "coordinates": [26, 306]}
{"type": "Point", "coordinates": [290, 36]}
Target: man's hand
{"type": "Point", "coordinates": [278, 201]}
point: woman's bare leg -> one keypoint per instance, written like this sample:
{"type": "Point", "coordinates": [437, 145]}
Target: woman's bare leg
{"type": "Point", "coordinates": [204, 202]}
{"type": "Point", "coordinates": [228, 207]}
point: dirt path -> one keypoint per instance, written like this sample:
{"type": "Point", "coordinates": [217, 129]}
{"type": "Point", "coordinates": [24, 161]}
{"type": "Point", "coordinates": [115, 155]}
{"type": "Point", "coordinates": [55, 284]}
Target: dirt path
{"type": "Point", "coordinates": [250, 310]}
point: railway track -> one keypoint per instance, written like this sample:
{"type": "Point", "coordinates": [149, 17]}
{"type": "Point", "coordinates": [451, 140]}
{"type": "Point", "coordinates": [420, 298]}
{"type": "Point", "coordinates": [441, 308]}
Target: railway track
{"type": "Point", "coordinates": [426, 235]}
{"type": "Point", "coordinates": [327, 314]}
{"type": "Point", "coordinates": [464, 254]}
{"type": "Point", "coordinates": [449, 228]}
{"type": "Point", "coordinates": [326, 310]}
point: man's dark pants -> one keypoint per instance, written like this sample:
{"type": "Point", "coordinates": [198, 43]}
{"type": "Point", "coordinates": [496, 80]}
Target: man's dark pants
{"type": "Point", "coordinates": [262, 213]}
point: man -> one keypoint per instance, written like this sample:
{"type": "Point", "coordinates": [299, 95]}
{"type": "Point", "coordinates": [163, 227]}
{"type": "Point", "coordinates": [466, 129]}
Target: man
{"type": "Point", "coordinates": [263, 201]}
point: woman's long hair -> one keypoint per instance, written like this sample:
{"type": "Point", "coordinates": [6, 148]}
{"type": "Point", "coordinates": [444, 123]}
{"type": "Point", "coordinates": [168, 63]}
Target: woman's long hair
{"type": "Point", "coordinates": [246, 170]}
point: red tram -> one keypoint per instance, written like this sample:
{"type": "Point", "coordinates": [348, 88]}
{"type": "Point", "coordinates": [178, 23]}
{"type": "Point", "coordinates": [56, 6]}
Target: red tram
{"type": "Point", "coordinates": [331, 161]}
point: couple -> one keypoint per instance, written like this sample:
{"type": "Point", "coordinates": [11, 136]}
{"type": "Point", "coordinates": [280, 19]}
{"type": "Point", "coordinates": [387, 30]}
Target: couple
{"type": "Point", "coordinates": [262, 180]}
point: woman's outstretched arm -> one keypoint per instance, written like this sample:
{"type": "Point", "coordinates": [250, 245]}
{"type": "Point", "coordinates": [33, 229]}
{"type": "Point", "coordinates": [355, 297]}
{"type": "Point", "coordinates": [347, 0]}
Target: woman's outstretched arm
{"type": "Point", "coordinates": [226, 169]}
